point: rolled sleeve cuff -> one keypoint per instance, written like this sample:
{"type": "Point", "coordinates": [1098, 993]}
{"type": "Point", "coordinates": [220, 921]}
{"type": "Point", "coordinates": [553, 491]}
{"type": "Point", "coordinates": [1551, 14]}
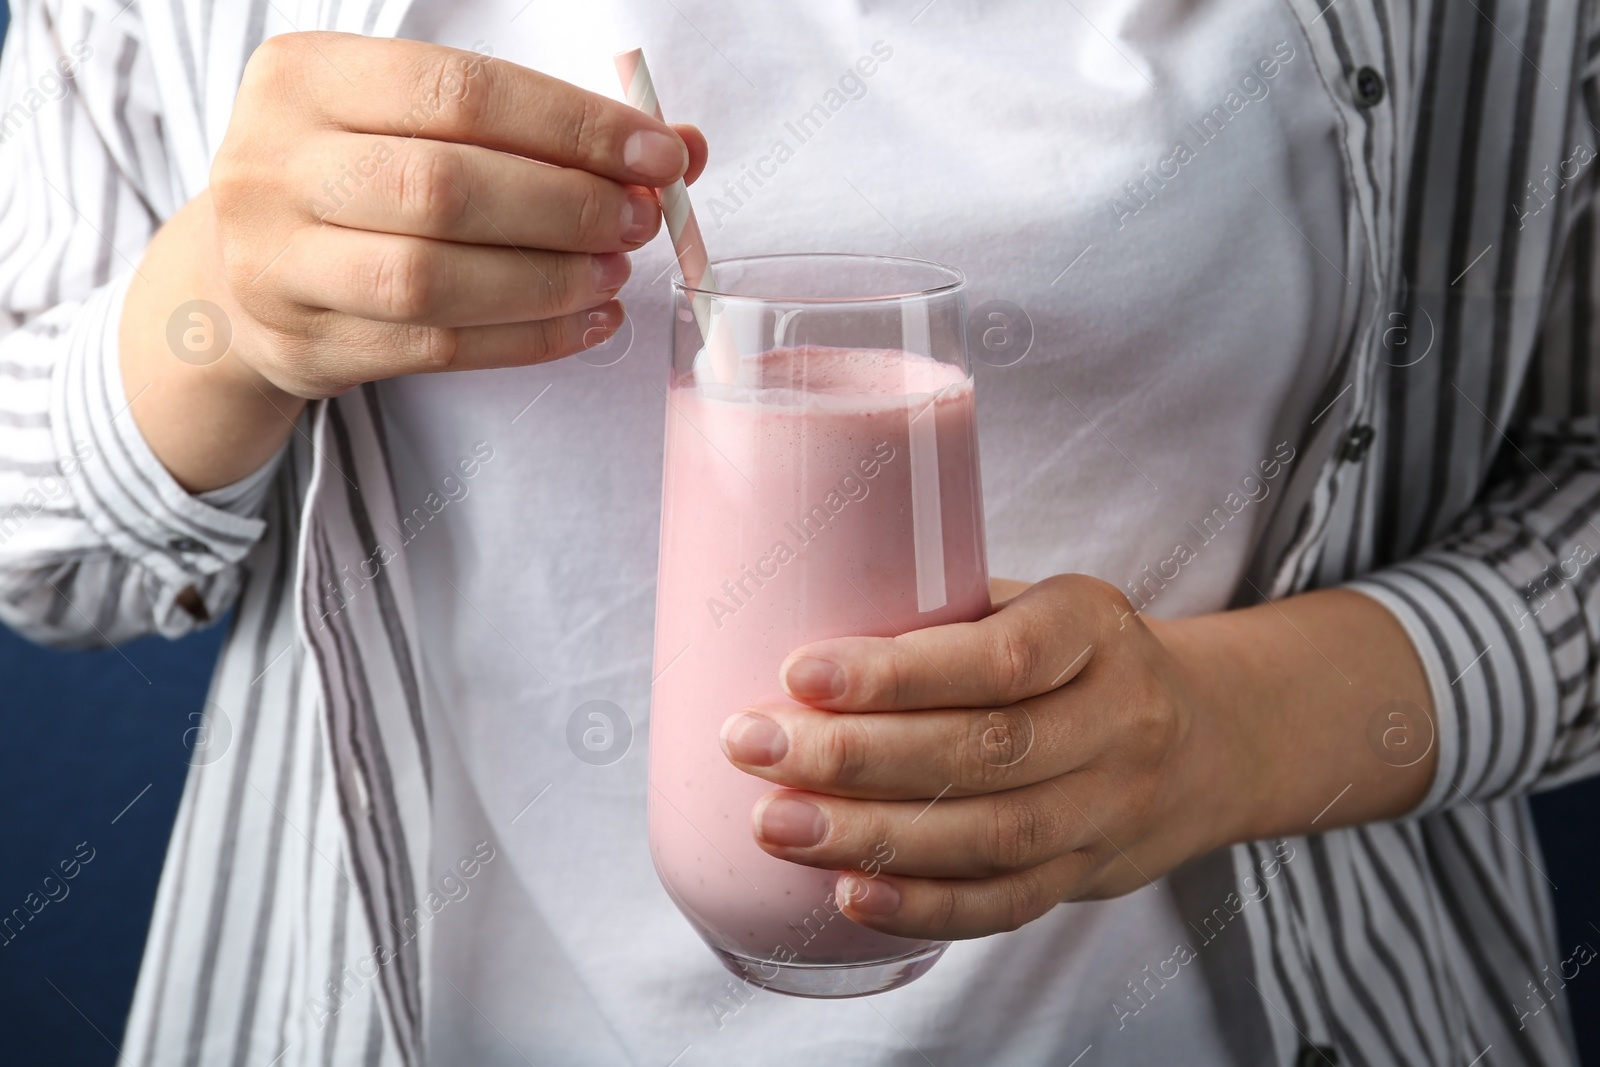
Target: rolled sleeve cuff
{"type": "Point", "coordinates": [124, 491]}
{"type": "Point", "coordinates": [1489, 670]}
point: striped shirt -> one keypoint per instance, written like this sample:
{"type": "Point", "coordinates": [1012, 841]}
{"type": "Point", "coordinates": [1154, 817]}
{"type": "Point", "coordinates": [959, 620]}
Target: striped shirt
{"type": "Point", "coordinates": [1452, 471]}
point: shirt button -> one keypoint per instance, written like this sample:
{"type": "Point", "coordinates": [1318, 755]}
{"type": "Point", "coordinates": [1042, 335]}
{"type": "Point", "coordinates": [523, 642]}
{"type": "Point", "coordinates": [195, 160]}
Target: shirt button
{"type": "Point", "coordinates": [1356, 443]}
{"type": "Point", "coordinates": [1366, 85]}
{"type": "Point", "coordinates": [188, 545]}
{"type": "Point", "coordinates": [1317, 1056]}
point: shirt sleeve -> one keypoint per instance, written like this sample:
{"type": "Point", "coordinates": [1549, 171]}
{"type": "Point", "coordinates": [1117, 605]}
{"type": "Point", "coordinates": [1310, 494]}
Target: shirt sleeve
{"type": "Point", "coordinates": [1505, 611]}
{"type": "Point", "coordinates": [98, 543]}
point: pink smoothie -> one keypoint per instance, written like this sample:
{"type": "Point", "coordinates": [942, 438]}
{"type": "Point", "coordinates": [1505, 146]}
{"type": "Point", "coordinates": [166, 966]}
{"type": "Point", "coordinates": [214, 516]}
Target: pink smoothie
{"type": "Point", "coordinates": [789, 515]}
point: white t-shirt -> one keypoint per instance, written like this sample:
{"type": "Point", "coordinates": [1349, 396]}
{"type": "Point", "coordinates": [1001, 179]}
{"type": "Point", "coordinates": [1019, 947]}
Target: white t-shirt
{"type": "Point", "coordinates": [1168, 216]}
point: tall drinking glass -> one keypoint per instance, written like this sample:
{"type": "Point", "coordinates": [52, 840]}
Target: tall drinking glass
{"type": "Point", "coordinates": [821, 481]}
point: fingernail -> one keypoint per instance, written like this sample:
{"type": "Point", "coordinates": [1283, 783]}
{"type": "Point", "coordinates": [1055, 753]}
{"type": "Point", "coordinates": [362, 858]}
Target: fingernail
{"type": "Point", "coordinates": [791, 822]}
{"type": "Point", "coordinates": [873, 897]}
{"type": "Point", "coordinates": [611, 269]}
{"type": "Point", "coordinates": [652, 154]}
{"type": "Point", "coordinates": [754, 739]}
{"type": "Point", "coordinates": [603, 322]}
{"type": "Point", "coordinates": [638, 217]}
{"type": "Point", "coordinates": [814, 679]}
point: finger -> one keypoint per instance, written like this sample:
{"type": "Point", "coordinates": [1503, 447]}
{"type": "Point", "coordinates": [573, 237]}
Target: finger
{"type": "Point", "coordinates": [955, 909]}
{"type": "Point", "coordinates": [968, 837]}
{"type": "Point", "coordinates": [907, 755]}
{"type": "Point", "coordinates": [412, 89]}
{"type": "Point", "coordinates": [353, 350]}
{"type": "Point", "coordinates": [1039, 640]}
{"type": "Point", "coordinates": [468, 194]}
{"type": "Point", "coordinates": [695, 142]}
{"type": "Point", "coordinates": [395, 278]}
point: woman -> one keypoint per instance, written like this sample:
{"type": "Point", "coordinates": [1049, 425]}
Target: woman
{"type": "Point", "coordinates": [1283, 273]}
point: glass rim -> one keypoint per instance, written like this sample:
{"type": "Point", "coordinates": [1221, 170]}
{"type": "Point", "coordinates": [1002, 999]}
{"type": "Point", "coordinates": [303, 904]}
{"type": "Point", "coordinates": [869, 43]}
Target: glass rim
{"type": "Point", "coordinates": [953, 279]}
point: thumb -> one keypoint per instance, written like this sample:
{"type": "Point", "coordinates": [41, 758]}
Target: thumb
{"type": "Point", "coordinates": [1035, 642]}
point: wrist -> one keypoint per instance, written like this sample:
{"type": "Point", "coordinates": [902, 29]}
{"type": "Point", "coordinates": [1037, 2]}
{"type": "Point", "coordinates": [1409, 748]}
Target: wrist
{"type": "Point", "coordinates": [205, 411]}
{"type": "Point", "coordinates": [1229, 759]}
{"type": "Point", "coordinates": [1284, 697]}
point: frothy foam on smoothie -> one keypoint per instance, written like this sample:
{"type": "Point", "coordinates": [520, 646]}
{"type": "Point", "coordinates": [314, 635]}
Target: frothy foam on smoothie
{"type": "Point", "coordinates": [837, 379]}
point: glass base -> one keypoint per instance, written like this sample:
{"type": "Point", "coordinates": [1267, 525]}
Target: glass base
{"type": "Point", "coordinates": [831, 981]}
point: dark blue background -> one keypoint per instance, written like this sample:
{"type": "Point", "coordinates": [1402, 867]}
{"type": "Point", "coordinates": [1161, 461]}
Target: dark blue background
{"type": "Point", "coordinates": [85, 734]}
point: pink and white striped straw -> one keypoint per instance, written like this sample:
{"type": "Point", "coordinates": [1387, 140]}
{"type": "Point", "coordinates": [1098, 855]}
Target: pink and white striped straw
{"type": "Point", "coordinates": [682, 226]}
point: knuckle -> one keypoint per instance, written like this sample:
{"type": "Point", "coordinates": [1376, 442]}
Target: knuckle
{"type": "Point", "coordinates": [1015, 658]}
{"type": "Point", "coordinates": [255, 282]}
{"type": "Point", "coordinates": [1025, 899]}
{"type": "Point", "coordinates": [1112, 610]}
{"type": "Point", "coordinates": [972, 773]}
{"type": "Point", "coordinates": [946, 905]}
{"type": "Point", "coordinates": [842, 758]}
{"type": "Point", "coordinates": [1113, 597]}
{"type": "Point", "coordinates": [583, 128]}
{"type": "Point", "coordinates": [554, 338]}
{"type": "Point", "coordinates": [1019, 832]}
{"type": "Point", "coordinates": [296, 358]}
{"type": "Point", "coordinates": [990, 747]}
{"type": "Point", "coordinates": [435, 347]}
{"type": "Point", "coordinates": [311, 381]}
{"type": "Point", "coordinates": [590, 221]}
{"type": "Point", "coordinates": [275, 59]}
{"type": "Point", "coordinates": [427, 186]}
{"type": "Point", "coordinates": [439, 346]}
{"type": "Point", "coordinates": [1151, 722]}
{"type": "Point", "coordinates": [887, 679]}
{"type": "Point", "coordinates": [230, 179]}
{"type": "Point", "coordinates": [1138, 805]}
{"type": "Point", "coordinates": [569, 283]}
{"type": "Point", "coordinates": [447, 94]}
{"type": "Point", "coordinates": [245, 185]}
{"type": "Point", "coordinates": [400, 282]}
{"type": "Point", "coordinates": [1159, 726]}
